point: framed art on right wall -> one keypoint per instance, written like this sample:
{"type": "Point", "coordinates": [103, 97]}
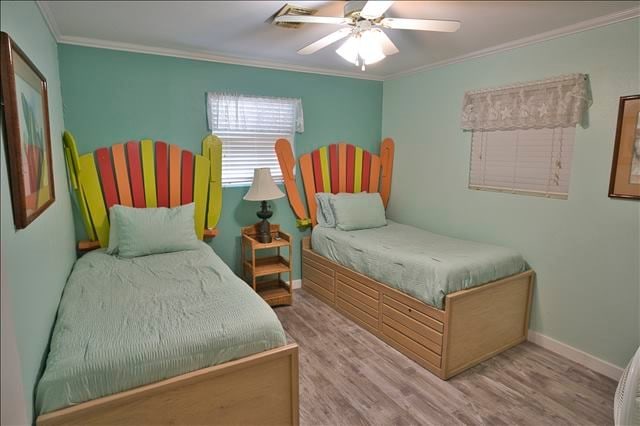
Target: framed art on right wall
{"type": "Point", "coordinates": [625, 170]}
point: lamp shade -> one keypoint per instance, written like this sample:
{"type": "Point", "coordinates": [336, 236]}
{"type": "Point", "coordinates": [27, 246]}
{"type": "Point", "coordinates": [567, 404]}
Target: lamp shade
{"type": "Point", "coordinates": [263, 187]}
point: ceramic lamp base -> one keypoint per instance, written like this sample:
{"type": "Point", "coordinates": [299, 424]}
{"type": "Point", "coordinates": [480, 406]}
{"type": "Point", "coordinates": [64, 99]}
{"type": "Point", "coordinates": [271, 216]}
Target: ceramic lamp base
{"type": "Point", "coordinates": [264, 231]}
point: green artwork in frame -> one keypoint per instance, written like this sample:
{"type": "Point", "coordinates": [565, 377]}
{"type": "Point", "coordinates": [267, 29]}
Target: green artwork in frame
{"type": "Point", "coordinates": [28, 139]}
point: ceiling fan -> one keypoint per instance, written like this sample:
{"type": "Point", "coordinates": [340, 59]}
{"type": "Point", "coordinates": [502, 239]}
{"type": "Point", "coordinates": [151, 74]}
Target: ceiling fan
{"type": "Point", "coordinates": [367, 43]}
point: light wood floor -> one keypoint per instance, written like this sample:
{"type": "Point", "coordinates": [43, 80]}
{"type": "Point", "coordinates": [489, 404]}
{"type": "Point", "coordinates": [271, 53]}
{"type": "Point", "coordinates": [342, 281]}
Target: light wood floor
{"type": "Point", "coordinates": [349, 377]}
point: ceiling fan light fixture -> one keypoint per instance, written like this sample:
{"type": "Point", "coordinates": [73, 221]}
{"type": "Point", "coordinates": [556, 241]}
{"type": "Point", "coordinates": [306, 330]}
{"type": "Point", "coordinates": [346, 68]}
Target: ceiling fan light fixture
{"type": "Point", "coordinates": [362, 49]}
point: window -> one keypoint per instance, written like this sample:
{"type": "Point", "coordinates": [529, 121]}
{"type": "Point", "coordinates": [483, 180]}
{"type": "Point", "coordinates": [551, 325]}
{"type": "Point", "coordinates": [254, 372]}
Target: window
{"type": "Point", "coordinates": [249, 127]}
{"type": "Point", "coordinates": [523, 134]}
{"type": "Point", "coordinates": [531, 161]}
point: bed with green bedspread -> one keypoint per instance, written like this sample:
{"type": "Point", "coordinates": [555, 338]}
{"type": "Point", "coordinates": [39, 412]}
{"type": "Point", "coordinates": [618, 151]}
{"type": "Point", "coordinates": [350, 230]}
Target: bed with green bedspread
{"type": "Point", "coordinates": [419, 263]}
{"type": "Point", "coordinates": [124, 323]}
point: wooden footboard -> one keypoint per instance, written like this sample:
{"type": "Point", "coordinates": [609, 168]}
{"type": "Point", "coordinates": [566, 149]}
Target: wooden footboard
{"type": "Point", "coordinates": [260, 389]}
{"type": "Point", "coordinates": [475, 325]}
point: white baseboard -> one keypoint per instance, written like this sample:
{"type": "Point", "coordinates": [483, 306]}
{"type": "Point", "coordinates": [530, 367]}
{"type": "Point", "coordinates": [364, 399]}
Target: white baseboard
{"type": "Point", "coordinates": [596, 364]}
{"type": "Point", "coordinates": [296, 284]}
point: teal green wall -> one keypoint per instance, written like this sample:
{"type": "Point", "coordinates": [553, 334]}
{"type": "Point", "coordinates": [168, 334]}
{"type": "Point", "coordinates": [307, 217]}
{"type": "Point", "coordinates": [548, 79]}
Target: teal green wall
{"type": "Point", "coordinates": [36, 260]}
{"type": "Point", "coordinates": [585, 249]}
{"type": "Point", "coordinates": [112, 96]}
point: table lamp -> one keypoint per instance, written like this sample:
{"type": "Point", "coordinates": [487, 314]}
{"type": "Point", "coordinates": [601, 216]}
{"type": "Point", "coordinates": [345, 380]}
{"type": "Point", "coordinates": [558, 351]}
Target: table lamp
{"type": "Point", "coordinates": [263, 189]}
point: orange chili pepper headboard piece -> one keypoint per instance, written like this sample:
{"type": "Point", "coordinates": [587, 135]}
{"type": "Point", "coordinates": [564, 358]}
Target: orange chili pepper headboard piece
{"type": "Point", "coordinates": [145, 174]}
{"type": "Point", "coordinates": [335, 168]}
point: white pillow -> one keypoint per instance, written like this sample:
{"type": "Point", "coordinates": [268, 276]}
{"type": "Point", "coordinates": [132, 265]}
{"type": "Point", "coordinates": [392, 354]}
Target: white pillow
{"type": "Point", "coordinates": [324, 213]}
{"type": "Point", "coordinates": [113, 232]}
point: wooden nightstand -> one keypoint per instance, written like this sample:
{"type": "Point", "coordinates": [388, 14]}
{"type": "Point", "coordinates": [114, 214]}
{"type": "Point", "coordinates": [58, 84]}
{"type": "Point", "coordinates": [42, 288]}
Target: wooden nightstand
{"type": "Point", "coordinates": [261, 271]}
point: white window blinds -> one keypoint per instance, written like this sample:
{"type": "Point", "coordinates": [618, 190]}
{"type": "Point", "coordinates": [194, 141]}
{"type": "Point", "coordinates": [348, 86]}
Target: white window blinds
{"type": "Point", "coordinates": [529, 161]}
{"type": "Point", "coordinates": [249, 127]}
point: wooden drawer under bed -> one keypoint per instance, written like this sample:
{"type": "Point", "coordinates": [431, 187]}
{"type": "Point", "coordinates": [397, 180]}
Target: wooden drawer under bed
{"type": "Point", "coordinates": [441, 341]}
{"type": "Point", "coordinates": [358, 300]}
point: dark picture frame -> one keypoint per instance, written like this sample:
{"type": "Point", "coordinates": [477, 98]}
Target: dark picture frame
{"type": "Point", "coordinates": [25, 108]}
{"type": "Point", "coordinates": [625, 168]}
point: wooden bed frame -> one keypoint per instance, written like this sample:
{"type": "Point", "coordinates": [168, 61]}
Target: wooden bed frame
{"type": "Point", "coordinates": [261, 389]}
{"type": "Point", "coordinates": [474, 325]}
{"type": "Point", "coordinates": [258, 389]}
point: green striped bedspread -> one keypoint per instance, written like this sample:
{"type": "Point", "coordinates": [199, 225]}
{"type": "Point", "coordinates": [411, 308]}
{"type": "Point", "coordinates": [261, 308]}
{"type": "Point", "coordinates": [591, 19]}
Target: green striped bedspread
{"type": "Point", "coordinates": [419, 263]}
{"type": "Point", "coordinates": [123, 323]}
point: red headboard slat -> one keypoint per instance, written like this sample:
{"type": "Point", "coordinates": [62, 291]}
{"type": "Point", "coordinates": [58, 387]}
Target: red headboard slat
{"type": "Point", "coordinates": [366, 168]}
{"type": "Point", "coordinates": [135, 174]}
{"type": "Point", "coordinates": [107, 178]}
{"type": "Point", "coordinates": [333, 166]}
{"type": "Point", "coordinates": [162, 173]}
{"type": "Point", "coordinates": [317, 171]}
{"type": "Point", "coordinates": [187, 177]}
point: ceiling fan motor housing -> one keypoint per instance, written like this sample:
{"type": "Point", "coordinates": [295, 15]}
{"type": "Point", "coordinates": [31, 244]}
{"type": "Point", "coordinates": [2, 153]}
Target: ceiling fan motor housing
{"type": "Point", "coordinates": [353, 7]}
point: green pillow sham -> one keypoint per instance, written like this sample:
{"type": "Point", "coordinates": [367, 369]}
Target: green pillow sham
{"type": "Point", "coordinates": [145, 231]}
{"type": "Point", "coordinates": [358, 211]}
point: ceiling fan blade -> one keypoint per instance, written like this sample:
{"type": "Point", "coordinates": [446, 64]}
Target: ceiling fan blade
{"type": "Point", "coordinates": [307, 19]}
{"type": "Point", "coordinates": [325, 41]}
{"type": "Point", "coordinates": [375, 8]}
{"type": "Point", "coordinates": [421, 24]}
{"type": "Point", "coordinates": [388, 48]}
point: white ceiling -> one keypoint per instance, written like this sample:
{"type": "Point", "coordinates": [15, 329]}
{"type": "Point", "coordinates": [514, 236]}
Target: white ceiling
{"type": "Point", "coordinates": [240, 32]}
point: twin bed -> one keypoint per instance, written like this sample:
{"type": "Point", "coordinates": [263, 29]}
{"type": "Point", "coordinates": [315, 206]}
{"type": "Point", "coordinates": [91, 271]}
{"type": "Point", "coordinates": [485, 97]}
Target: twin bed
{"type": "Point", "coordinates": [171, 338]}
{"type": "Point", "coordinates": [448, 304]}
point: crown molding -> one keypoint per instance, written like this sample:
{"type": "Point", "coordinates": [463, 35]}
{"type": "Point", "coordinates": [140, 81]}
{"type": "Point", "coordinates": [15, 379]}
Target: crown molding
{"type": "Point", "coordinates": [222, 58]}
{"type": "Point", "coordinates": [47, 14]}
{"type": "Point", "coordinates": [590, 24]}
{"type": "Point", "coordinates": [209, 56]}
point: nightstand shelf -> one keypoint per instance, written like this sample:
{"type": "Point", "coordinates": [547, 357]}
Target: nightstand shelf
{"type": "Point", "coordinates": [274, 290]}
{"type": "Point", "coordinates": [267, 266]}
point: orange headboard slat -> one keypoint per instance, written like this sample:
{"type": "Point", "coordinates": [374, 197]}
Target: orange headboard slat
{"type": "Point", "coordinates": [374, 180]}
{"type": "Point", "coordinates": [135, 174]}
{"type": "Point", "coordinates": [122, 176]}
{"type": "Point", "coordinates": [308, 180]}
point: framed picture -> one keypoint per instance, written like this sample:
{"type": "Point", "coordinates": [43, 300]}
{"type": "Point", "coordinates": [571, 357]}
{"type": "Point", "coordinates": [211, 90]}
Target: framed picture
{"type": "Point", "coordinates": [625, 170]}
{"type": "Point", "coordinates": [27, 136]}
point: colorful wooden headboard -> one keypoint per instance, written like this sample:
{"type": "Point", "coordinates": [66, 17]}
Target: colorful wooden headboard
{"type": "Point", "coordinates": [144, 174]}
{"type": "Point", "coordinates": [335, 168]}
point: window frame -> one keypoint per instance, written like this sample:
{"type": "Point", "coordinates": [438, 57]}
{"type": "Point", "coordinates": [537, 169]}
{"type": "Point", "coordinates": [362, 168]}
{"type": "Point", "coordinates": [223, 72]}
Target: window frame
{"type": "Point", "coordinates": [237, 110]}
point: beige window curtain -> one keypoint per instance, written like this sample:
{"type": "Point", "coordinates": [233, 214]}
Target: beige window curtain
{"type": "Point", "coordinates": [551, 103]}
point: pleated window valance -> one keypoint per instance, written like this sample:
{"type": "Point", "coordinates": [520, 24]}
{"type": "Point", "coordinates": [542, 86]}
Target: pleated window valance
{"type": "Point", "coordinates": [551, 103]}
